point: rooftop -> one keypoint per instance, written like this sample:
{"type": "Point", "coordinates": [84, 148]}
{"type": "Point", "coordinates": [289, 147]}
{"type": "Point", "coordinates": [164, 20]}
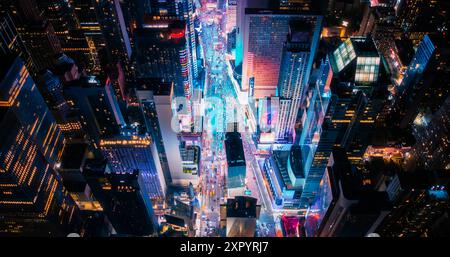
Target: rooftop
{"type": "Point", "coordinates": [73, 156]}
{"type": "Point", "coordinates": [234, 149]}
{"type": "Point", "coordinates": [364, 46]}
{"type": "Point", "coordinates": [296, 162]}
{"type": "Point", "coordinates": [241, 207]}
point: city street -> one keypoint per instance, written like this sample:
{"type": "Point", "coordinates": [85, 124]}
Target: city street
{"type": "Point", "coordinates": [213, 158]}
{"type": "Point", "coordinates": [218, 85]}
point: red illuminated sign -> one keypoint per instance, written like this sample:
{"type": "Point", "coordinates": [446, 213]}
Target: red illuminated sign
{"type": "Point", "coordinates": [177, 33]}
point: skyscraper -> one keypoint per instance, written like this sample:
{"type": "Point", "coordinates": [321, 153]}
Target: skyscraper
{"type": "Point", "coordinates": [422, 86]}
{"type": "Point", "coordinates": [236, 165]}
{"type": "Point", "coordinates": [239, 216]}
{"type": "Point", "coordinates": [162, 53]}
{"type": "Point", "coordinates": [349, 211]}
{"type": "Point", "coordinates": [179, 152]}
{"type": "Point", "coordinates": [96, 107]}
{"type": "Point", "coordinates": [360, 57]}
{"type": "Point", "coordinates": [36, 32]}
{"type": "Point", "coordinates": [422, 103]}
{"type": "Point", "coordinates": [127, 154]}
{"type": "Point", "coordinates": [131, 211]}
{"type": "Point", "coordinates": [41, 37]}
{"type": "Point", "coordinates": [263, 53]}
{"type": "Point", "coordinates": [33, 199]}
{"type": "Point", "coordinates": [187, 11]}
{"type": "Point", "coordinates": [333, 131]}
{"type": "Point", "coordinates": [295, 68]}
{"type": "Point", "coordinates": [150, 117]}
{"type": "Point", "coordinates": [183, 10]}
{"type": "Point", "coordinates": [52, 90]}
{"type": "Point", "coordinates": [12, 43]}
{"type": "Point", "coordinates": [418, 64]}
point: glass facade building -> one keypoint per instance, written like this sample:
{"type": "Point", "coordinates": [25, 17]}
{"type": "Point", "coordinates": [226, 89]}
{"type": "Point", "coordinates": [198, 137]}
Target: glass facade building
{"type": "Point", "coordinates": [367, 69]}
{"type": "Point", "coordinates": [344, 54]}
{"type": "Point", "coordinates": [127, 154]}
{"type": "Point", "coordinates": [162, 52]}
{"type": "Point", "coordinates": [296, 65]}
{"type": "Point", "coordinates": [33, 198]}
{"type": "Point", "coordinates": [235, 160]}
{"type": "Point", "coordinates": [264, 35]}
{"type": "Point", "coordinates": [418, 64]}
{"type": "Point", "coordinates": [361, 50]}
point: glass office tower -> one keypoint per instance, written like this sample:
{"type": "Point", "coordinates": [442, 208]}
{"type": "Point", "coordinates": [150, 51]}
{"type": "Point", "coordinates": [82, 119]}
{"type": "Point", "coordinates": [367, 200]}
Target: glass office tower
{"type": "Point", "coordinates": [33, 199]}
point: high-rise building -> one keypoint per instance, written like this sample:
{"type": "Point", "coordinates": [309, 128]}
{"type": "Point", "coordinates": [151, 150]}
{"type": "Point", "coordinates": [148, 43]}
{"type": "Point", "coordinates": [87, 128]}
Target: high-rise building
{"type": "Point", "coordinates": [11, 41]}
{"type": "Point", "coordinates": [117, 55]}
{"type": "Point", "coordinates": [179, 152]}
{"type": "Point", "coordinates": [112, 23]}
{"type": "Point", "coordinates": [421, 209]}
{"type": "Point", "coordinates": [147, 106]}
{"type": "Point", "coordinates": [62, 15]}
{"type": "Point", "coordinates": [324, 203]}
{"type": "Point", "coordinates": [238, 216]}
{"type": "Point", "coordinates": [175, 10]}
{"type": "Point", "coordinates": [423, 88]}
{"type": "Point", "coordinates": [317, 100]}
{"type": "Point", "coordinates": [127, 154]}
{"type": "Point", "coordinates": [287, 170]}
{"type": "Point", "coordinates": [31, 148]}
{"type": "Point", "coordinates": [349, 211]}
{"type": "Point", "coordinates": [187, 13]}
{"type": "Point", "coordinates": [418, 64]}
{"type": "Point", "coordinates": [133, 17]}
{"type": "Point", "coordinates": [41, 37]}
{"type": "Point", "coordinates": [52, 89]}
{"type": "Point", "coordinates": [295, 68]}
{"type": "Point", "coordinates": [131, 212]}
{"type": "Point", "coordinates": [162, 53]}
{"type": "Point", "coordinates": [357, 58]}
{"type": "Point", "coordinates": [262, 53]}
{"type": "Point", "coordinates": [36, 32]}
{"type": "Point", "coordinates": [71, 169]}
{"type": "Point", "coordinates": [336, 130]}
{"type": "Point", "coordinates": [236, 165]}
{"type": "Point", "coordinates": [96, 106]}
{"type": "Point", "coordinates": [284, 172]}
